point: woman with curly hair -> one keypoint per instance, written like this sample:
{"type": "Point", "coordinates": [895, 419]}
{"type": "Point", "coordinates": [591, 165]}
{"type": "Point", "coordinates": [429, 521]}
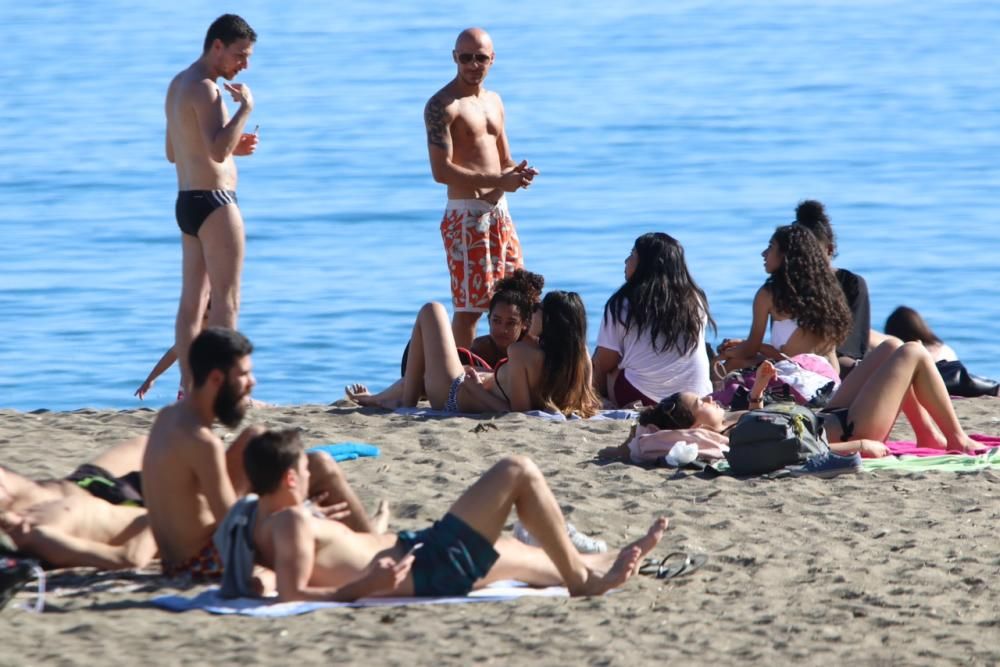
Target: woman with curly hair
{"type": "Point", "coordinates": [811, 214]}
{"type": "Point", "coordinates": [548, 370]}
{"type": "Point", "coordinates": [652, 338]}
{"type": "Point", "coordinates": [802, 299]}
{"type": "Point", "coordinates": [509, 315]}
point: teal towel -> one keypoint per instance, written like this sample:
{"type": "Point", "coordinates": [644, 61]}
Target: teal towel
{"type": "Point", "coordinates": [347, 451]}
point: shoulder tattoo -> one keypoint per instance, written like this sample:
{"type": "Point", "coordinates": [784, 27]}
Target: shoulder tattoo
{"type": "Point", "coordinates": [437, 128]}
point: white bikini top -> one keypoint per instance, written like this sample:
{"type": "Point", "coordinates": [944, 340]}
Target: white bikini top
{"type": "Point", "coordinates": [781, 331]}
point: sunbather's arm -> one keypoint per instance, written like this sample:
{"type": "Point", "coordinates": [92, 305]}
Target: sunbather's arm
{"type": "Point", "coordinates": [61, 549]}
{"type": "Point", "coordinates": [751, 345]}
{"type": "Point", "coordinates": [294, 544]}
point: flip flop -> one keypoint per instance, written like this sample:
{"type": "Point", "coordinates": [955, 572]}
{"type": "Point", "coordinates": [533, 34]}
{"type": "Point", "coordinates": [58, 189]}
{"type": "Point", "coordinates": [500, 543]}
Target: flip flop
{"type": "Point", "coordinates": [674, 564]}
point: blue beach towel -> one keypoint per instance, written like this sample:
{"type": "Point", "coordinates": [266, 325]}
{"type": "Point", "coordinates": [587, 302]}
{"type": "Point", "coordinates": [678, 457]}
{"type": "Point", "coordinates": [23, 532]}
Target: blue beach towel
{"type": "Point", "coordinates": [347, 451]}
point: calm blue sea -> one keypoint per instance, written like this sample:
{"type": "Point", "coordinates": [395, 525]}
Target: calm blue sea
{"type": "Point", "coordinates": [707, 120]}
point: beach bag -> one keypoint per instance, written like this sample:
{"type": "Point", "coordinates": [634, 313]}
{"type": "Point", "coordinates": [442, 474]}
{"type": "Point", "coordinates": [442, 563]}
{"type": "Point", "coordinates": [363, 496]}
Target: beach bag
{"type": "Point", "coordinates": [960, 382]}
{"type": "Point", "coordinates": [770, 438]}
{"type": "Point", "coordinates": [806, 379]}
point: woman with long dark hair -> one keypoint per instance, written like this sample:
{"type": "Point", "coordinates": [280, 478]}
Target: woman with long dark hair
{"type": "Point", "coordinates": [801, 298]}
{"type": "Point", "coordinates": [552, 374]}
{"type": "Point", "coordinates": [652, 338]}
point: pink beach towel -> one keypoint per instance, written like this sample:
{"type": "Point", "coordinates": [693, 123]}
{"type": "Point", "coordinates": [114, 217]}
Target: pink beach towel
{"type": "Point", "coordinates": [909, 448]}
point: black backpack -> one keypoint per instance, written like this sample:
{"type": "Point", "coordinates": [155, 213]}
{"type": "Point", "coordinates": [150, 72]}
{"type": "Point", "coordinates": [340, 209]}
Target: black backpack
{"type": "Point", "coordinates": [773, 437]}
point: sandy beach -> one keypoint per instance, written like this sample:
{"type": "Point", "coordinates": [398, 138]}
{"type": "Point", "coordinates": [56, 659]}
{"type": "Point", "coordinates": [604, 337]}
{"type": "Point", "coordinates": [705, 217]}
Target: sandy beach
{"type": "Point", "coordinates": [876, 568]}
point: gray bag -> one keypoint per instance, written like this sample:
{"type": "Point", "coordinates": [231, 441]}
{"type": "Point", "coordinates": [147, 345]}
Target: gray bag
{"type": "Point", "coordinates": [773, 437]}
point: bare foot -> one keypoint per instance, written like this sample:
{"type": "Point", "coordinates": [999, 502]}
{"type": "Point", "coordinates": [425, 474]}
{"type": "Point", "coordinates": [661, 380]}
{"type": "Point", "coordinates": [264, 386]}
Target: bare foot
{"type": "Point", "coordinates": [626, 563]}
{"type": "Point", "coordinates": [359, 394]}
{"type": "Point", "coordinates": [964, 445]}
{"type": "Point", "coordinates": [380, 520]}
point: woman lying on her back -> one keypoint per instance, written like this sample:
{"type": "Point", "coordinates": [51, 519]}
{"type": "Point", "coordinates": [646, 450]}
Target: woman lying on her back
{"type": "Point", "coordinates": [552, 374]}
{"type": "Point", "coordinates": [859, 416]}
{"type": "Point", "coordinates": [802, 299]}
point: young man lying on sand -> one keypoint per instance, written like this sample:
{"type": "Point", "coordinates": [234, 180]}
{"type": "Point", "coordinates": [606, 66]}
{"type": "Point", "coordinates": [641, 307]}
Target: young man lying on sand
{"type": "Point", "coordinates": [190, 479]}
{"type": "Point", "coordinates": [93, 518]}
{"type": "Point", "coordinates": [317, 559]}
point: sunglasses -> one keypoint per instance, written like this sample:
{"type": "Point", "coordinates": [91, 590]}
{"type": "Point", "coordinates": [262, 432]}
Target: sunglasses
{"type": "Point", "coordinates": [481, 58]}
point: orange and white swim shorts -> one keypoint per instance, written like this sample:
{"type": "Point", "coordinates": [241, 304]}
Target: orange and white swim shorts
{"type": "Point", "coordinates": [482, 247]}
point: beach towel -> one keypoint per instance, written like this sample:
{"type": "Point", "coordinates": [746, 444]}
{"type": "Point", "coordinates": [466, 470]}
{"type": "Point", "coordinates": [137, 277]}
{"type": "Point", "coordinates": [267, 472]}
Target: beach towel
{"type": "Point", "coordinates": [909, 448]}
{"type": "Point", "coordinates": [212, 602]}
{"type": "Point", "coordinates": [551, 416]}
{"type": "Point", "coordinates": [347, 451]}
{"type": "Point", "coordinates": [946, 463]}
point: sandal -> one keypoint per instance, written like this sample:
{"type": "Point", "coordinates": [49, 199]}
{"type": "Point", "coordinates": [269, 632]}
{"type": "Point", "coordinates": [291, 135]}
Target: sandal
{"type": "Point", "coordinates": [674, 564]}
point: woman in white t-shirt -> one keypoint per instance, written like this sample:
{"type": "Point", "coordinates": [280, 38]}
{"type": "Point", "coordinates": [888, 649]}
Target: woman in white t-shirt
{"type": "Point", "coordinates": [652, 337]}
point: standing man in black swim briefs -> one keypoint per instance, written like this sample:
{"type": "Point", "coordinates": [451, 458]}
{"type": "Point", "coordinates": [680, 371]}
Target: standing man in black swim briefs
{"type": "Point", "coordinates": [201, 142]}
{"type": "Point", "coordinates": [469, 153]}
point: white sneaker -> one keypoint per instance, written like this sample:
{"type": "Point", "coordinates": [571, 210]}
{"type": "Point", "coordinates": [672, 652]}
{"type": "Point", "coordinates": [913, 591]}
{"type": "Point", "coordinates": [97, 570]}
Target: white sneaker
{"type": "Point", "coordinates": [585, 544]}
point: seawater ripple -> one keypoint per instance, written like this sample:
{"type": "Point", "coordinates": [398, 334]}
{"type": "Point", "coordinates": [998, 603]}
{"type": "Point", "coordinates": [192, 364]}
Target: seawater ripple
{"type": "Point", "coordinates": [642, 116]}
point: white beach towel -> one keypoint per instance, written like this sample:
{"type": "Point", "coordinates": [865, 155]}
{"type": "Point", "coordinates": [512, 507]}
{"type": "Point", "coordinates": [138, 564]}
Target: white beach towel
{"type": "Point", "coordinates": [213, 603]}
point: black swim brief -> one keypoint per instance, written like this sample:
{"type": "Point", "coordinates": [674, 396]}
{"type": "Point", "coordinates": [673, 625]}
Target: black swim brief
{"type": "Point", "coordinates": [100, 483]}
{"type": "Point", "coordinates": [454, 557]}
{"type": "Point", "coordinates": [194, 206]}
{"type": "Point", "coordinates": [846, 426]}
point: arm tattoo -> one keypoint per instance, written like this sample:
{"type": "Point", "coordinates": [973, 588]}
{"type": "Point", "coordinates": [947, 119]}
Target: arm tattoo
{"type": "Point", "coordinates": [437, 128]}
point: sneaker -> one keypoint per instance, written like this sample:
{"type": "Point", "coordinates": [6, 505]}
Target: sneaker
{"type": "Point", "coordinates": [584, 543]}
{"type": "Point", "coordinates": [827, 465]}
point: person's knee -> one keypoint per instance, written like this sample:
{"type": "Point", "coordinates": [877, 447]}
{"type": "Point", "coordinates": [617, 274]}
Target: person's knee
{"type": "Point", "coordinates": [433, 309]}
{"type": "Point", "coordinates": [519, 467]}
{"type": "Point", "coordinates": [323, 468]}
{"type": "Point", "coordinates": [913, 349]}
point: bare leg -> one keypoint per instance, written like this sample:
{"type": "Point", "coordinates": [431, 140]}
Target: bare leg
{"type": "Point", "coordinates": [390, 398]}
{"type": "Point", "coordinates": [876, 405]}
{"type": "Point", "coordinates": [123, 458]}
{"type": "Point", "coordinates": [222, 243]}
{"type": "Point", "coordinates": [463, 328]}
{"type": "Point", "coordinates": [923, 426]}
{"type": "Point", "coordinates": [327, 479]}
{"type": "Point", "coordinates": [234, 459]}
{"type": "Point", "coordinates": [433, 361]}
{"type": "Point", "coordinates": [193, 301]}
{"type": "Point", "coordinates": [517, 482]}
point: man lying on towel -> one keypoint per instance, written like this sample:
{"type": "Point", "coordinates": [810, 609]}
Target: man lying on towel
{"type": "Point", "coordinates": [315, 559]}
{"type": "Point", "coordinates": [191, 479]}
{"type": "Point", "coordinates": [92, 518]}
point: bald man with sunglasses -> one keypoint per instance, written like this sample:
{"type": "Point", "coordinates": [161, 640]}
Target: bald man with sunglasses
{"type": "Point", "coordinates": [469, 153]}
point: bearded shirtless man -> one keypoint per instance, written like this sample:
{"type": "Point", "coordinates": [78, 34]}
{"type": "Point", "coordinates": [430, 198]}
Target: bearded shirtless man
{"type": "Point", "coordinates": [190, 479]}
{"type": "Point", "coordinates": [469, 153]}
{"type": "Point", "coordinates": [201, 143]}
{"type": "Point", "coordinates": [320, 560]}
